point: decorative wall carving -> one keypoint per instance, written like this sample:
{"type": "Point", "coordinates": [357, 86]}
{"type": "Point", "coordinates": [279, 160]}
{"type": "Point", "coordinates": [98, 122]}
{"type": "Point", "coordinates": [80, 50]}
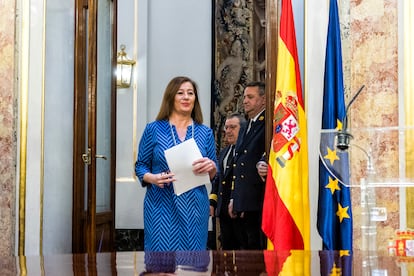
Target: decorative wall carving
{"type": "Point", "coordinates": [239, 55]}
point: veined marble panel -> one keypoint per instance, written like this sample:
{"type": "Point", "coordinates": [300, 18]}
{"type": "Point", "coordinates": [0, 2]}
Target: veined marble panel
{"type": "Point", "coordinates": [374, 56]}
{"type": "Point", "coordinates": [7, 127]}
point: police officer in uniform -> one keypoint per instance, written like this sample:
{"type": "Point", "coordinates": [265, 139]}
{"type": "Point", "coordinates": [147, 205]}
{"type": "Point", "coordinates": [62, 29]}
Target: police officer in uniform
{"type": "Point", "coordinates": [222, 183]}
{"type": "Point", "coordinates": [247, 195]}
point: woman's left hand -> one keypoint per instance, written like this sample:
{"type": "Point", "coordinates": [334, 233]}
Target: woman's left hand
{"type": "Point", "coordinates": [204, 165]}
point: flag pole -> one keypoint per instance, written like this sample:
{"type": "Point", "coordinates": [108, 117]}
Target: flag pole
{"type": "Point", "coordinates": [272, 26]}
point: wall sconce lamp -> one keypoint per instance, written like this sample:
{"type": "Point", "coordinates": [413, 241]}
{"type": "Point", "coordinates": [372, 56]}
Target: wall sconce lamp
{"type": "Point", "coordinates": [124, 67]}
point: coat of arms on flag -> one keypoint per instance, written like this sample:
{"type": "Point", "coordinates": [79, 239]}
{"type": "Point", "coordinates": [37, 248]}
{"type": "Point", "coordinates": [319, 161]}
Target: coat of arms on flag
{"type": "Point", "coordinates": [285, 128]}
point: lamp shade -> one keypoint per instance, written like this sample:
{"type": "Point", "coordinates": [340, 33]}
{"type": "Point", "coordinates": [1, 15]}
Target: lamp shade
{"type": "Point", "coordinates": [124, 69]}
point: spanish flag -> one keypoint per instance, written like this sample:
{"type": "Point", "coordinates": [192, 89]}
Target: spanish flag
{"type": "Point", "coordinates": [286, 215]}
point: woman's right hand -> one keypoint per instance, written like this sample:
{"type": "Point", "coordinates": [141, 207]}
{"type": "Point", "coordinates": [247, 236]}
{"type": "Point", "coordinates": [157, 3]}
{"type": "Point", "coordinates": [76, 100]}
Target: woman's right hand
{"type": "Point", "coordinates": [160, 179]}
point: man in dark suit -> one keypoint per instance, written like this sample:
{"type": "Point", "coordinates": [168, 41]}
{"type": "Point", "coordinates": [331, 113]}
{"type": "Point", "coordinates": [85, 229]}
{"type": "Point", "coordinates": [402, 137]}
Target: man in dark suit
{"type": "Point", "coordinates": [221, 186]}
{"type": "Point", "coordinates": [247, 196]}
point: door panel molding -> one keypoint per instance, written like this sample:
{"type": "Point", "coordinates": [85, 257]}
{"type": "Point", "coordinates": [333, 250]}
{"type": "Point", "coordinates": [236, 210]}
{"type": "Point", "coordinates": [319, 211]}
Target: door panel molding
{"type": "Point", "coordinates": [91, 231]}
{"type": "Point", "coordinates": [79, 135]}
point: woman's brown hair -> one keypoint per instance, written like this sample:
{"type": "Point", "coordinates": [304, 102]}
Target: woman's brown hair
{"type": "Point", "coordinates": [167, 104]}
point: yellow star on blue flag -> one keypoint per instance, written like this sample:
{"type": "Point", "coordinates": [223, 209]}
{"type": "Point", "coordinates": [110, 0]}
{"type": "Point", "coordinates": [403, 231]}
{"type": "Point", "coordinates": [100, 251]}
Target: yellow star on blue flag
{"type": "Point", "coordinates": [334, 193]}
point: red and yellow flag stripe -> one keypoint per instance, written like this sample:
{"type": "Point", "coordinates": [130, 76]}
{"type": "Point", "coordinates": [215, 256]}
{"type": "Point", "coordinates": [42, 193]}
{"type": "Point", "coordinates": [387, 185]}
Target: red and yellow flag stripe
{"type": "Point", "coordinates": [286, 215]}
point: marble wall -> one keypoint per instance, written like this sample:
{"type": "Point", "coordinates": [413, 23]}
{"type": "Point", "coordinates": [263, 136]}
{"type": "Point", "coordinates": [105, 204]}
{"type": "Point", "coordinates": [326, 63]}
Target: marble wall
{"type": "Point", "coordinates": [7, 127]}
{"type": "Point", "coordinates": [373, 53]}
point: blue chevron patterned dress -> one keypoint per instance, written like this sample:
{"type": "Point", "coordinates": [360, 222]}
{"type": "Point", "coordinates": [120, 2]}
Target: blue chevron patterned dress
{"type": "Point", "coordinates": [173, 223]}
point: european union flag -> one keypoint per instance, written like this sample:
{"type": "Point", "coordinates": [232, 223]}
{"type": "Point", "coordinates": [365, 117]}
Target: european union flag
{"type": "Point", "coordinates": [334, 206]}
{"type": "Point", "coordinates": [334, 263]}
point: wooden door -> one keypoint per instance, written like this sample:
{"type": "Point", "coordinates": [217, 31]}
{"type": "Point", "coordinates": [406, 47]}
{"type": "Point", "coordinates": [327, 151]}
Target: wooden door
{"type": "Point", "coordinates": [94, 126]}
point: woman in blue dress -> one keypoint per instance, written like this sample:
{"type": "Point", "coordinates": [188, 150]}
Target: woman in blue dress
{"type": "Point", "coordinates": [171, 222]}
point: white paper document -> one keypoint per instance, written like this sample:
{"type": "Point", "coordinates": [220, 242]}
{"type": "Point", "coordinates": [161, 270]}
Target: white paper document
{"type": "Point", "coordinates": [180, 159]}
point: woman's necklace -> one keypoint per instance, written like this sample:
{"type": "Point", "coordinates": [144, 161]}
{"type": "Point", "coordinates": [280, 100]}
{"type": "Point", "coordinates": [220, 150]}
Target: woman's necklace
{"type": "Point", "coordinates": [172, 132]}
